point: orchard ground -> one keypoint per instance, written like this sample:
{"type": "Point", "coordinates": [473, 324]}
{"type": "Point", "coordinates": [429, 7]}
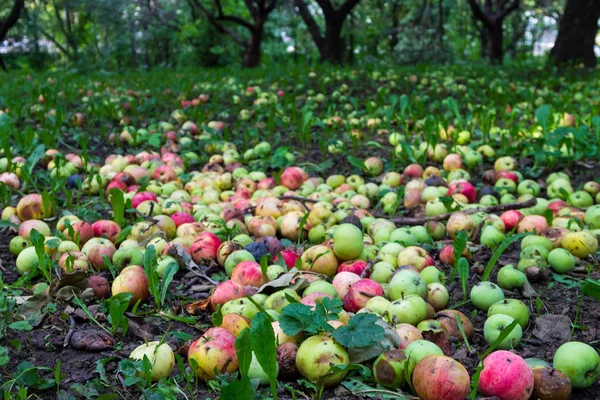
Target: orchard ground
{"type": "Point", "coordinates": [329, 120]}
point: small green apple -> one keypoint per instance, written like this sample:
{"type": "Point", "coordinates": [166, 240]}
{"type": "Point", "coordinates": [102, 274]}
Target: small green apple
{"type": "Point", "coordinates": [347, 242]}
{"type": "Point", "coordinates": [580, 362]}
{"type": "Point", "coordinates": [561, 261]}
{"type": "Point", "coordinates": [18, 244]}
{"type": "Point", "coordinates": [509, 278]}
{"type": "Point", "coordinates": [493, 327]}
{"type": "Point", "coordinates": [484, 294]}
{"type": "Point", "coordinates": [513, 308]}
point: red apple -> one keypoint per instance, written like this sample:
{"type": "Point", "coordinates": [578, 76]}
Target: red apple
{"type": "Point", "coordinates": [506, 376]}
{"type": "Point", "coordinates": [511, 218]}
{"type": "Point", "coordinates": [106, 228]}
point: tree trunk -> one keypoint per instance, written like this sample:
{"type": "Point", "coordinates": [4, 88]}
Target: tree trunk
{"type": "Point", "coordinates": [333, 45]}
{"type": "Point", "coordinates": [395, 26]}
{"type": "Point", "coordinates": [496, 50]}
{"type": "Point", "coordinates": [577, 32]}
{"type": "Point", "coordinates": [252, 52]}
{"type": "Point", "coordinates": [11, 19]}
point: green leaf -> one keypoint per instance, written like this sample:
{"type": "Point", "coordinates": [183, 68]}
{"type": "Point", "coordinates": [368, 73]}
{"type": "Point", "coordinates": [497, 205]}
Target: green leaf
{"type": "Point", "coordinates": [498, 253]}
{"type": "Point", "coordinates": [542, 115]}
{"type": "Point", "coordinates": [217, 317]}
{"type": "Point", "coordinates": [117, 202]}
{"type": "Point", "coordinates": [297, 317]}
{"type": "Point", "coordinates": [167, 278]}
{"type": "Point", "coordinates": [591, 288]}
{"type": "Point", "coordinates": [243, 351]}
{"type": "Point", "coordinates": [361, 331]}
{"type": "Point", "coordinates": [262, 339]}
{"type": "Point", "coordinates": [503, 335]}
{"type": "Point", "coordinates": [21, 326]}
{"type": "Point", "coordinates": [150, 263]}
{"type": "Point", "coordinates": [34, 158]}
{"type": "Point", "coordinates": [458, 247]}
{"type": "Point", "coordinates": [237, 390]}
{"type": "Point", "coordinates": [463, 273]}
{"type": "Point", "coordinates": [4, 357]}
{"type": "Point", "coordinates": [117, 305]}
{"type": "Point", "coordinates": [264, 264]}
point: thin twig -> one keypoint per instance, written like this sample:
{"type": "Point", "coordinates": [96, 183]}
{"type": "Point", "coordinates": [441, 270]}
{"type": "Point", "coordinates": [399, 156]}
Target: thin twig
{"type": "Point", "coordinates": [442, 217]}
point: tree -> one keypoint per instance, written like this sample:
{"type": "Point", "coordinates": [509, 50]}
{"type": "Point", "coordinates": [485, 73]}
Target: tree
{"type": "Point", "coordinates": [492, 16]}
{"type": "Point", "coordinates": [259, 11]}
{"type": "Point", "coordinates": [331, 46]}
{"type": "Point", "coordinates": [10, 21]}
{"type": "Point", "coordinates": [576, 34]}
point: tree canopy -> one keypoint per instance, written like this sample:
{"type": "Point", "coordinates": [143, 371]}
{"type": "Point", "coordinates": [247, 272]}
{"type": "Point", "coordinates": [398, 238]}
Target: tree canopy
{"type": "Point", "coordinates": [116, 34]}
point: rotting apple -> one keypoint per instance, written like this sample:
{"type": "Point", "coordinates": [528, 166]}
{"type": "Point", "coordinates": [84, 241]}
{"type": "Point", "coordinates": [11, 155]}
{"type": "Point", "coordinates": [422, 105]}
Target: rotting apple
{"type": "Point", "coordinates": [440, 377]}
{"type": "Point", "coordinates": [214, 350]}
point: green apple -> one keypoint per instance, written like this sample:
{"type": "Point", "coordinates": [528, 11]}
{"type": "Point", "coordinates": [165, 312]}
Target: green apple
{"type": "Point", "coordinates": [321, 286]}
{"type": "Point", "coordinates": [493, 327]}
{"type": "Point", "coordinates": [273, 271]}
{"type": "Point", "coordinates": [513, 308]}
{"type": "Point", "coordinates": [241, 306]}
{"type": "Point", "coordinates": [418, 350]}
{"type": "Point", "coordinates": [277, 301]}
{"type": "Point", "coordinates": [528, 186]}
{"type": "Point", "coordinates": [559, 189]}
{"type": "Point", "coordinates": [434, 208]}
{"type": "Point", "coordinates": [557, 175]}
{"type": "Point", "coordinates": [379, 305]}
{"type": "Point", "coordinates": [484, 294]}
{"type": "Point", "coordinates": [509, 278]}
{"type": "Point", "coordinates": [488, 200]}
{"type": "Point", "coordinates": [580, 362]}
{"type": "Point", "coordinates": [389, 252]}
{"type": "Point", "coordinates": [561, 261]}
{"type": "Point", "coordinates": [540, 206]}
{"type": "Point", "coordinates": [404, 236]}
{"type": "Point", "coordinates": [18, 244]}
{"type": "Point", "coordinates": [161, 358]}
{"type": "Point", "coordinates": [235, 258]}
{"type": "Point", "coordinates": [242, 239]}
{"type": "Point", "coordinates": [406, 282]}
{"type": "Point", "coordinates": [535, 240]}
{"type": "Point", "coordinates": [581, 199]}
{"type": "Point", "coordinates": [533, 251]}
{"type": "Point", "coordinates": [420, 232]}
{"type": "Point", "coordinates": [431, 275]}
{"type": "Point", "coordinates": [472, 159]}
{"type": "Point", "coordinates": [382, 272]}
{"type": "Point", "coordinates": [507, 198]}
{"type": "Point", "coordinates": [335, 180]}
{"type": "Point", "coordinates": [389, 369]}
{"type": "Point", "coordinates": [126, 256]}
{"type": "Point", "coordinates": [592, 217]}
{"type": "Point", "coordinates": [505, 185]}
{"type": "Point", "coordinates": [347, 242]}
{"type": "Point", "coordinates": [317, 234]}
{"type": "Point", "coordinates": [410, 309]}
{"type": "Point", "coordinates": [491, 237]}
{"type": "Point", "coordinates": [27, 259]}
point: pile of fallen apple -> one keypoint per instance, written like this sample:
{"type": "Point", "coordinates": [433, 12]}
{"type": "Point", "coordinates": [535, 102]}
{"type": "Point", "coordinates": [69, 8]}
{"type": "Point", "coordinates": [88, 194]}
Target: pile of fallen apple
{"type": "Point", "coordinates": [344, 250]}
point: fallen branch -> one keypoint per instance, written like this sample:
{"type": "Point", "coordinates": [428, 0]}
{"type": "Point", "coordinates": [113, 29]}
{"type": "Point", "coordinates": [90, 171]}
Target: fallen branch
{"type": "Point", "coordinates": [442, 217]}
{"type": "Point", "coordinates": [302, 200]}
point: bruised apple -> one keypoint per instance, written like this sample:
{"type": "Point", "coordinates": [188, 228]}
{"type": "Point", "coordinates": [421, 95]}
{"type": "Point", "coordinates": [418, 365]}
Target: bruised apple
{"type": "Point", "coordinates": [133, 280]}
{"type": "Point", "coordinates": [440, 377]}
{"type": "Point", "coordinates": [316, 355]}
{"type": "Point", "coordinates": [215, 350]}
{"type": "Point", "coordinates": [161, 357]}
